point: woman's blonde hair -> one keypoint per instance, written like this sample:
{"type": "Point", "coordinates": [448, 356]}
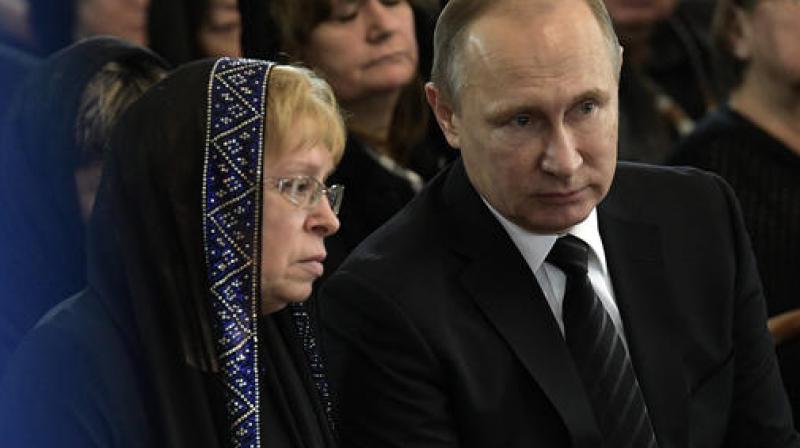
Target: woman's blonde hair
{"type": "Point", "coordinates": [296, 93]}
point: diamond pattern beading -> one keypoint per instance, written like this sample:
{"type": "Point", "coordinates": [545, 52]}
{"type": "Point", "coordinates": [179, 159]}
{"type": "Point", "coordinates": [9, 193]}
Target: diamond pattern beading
{"type": "Point", "coordinates": [231, 209]}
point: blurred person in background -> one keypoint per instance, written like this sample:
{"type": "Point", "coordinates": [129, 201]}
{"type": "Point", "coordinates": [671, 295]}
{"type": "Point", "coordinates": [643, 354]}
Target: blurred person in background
{"type": "Point", "coordinates": [56, 24]}
{"type": "Point", "coordinates": [14, 27]}
{"type": "Point", "coordinates": [186, 30]}
{"type": "Point", "coordinates": [667, 80]}
{"type": "Point", "coordinates": [753, 142]}
{"type": "Point", "coordinates": [52, 146]}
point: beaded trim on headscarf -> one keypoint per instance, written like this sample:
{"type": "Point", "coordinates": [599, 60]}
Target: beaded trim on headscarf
{"type": "Point", "coordinates": [316, 364]}
{"type": "Point", "coordinates": [232, 179]}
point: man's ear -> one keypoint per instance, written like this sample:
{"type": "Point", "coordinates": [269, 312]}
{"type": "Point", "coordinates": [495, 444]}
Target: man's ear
{"type": "Point", "coordinates": [443, 111]}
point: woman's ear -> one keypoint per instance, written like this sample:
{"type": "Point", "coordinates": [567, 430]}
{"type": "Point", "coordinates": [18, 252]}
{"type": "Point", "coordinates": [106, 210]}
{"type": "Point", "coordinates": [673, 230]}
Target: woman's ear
{"type": "Point", "coordinates": [740, 34]}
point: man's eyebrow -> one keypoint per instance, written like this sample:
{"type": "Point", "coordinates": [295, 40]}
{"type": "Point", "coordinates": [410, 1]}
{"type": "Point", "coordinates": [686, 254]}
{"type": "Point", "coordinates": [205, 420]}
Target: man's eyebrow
{"type": "Point", "coordinates": [522, 106]}
{"type": "Point", "coordinates": [600, 94]}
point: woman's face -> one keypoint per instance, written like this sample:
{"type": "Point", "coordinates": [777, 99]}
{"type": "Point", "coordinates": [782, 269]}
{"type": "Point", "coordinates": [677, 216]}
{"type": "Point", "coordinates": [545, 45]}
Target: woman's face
{"type": "Point", "coordinates": [221, 32]}
{"type": "Point", "coordinates": [366, 47]}
{"type": "Point", "coordinates": [292, 248]}
{"type": "Point", "coordinates": [769, 41]}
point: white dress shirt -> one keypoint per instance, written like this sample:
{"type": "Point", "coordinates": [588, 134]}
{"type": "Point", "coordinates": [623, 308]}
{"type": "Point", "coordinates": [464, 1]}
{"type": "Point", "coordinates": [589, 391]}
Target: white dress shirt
{"type": "Point", "coordinates": [535, 247]}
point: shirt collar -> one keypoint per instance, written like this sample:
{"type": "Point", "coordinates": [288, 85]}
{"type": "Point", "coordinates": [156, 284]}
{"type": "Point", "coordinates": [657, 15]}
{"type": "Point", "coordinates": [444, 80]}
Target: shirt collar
{"type": "Point", "coordinates": [536, 246]}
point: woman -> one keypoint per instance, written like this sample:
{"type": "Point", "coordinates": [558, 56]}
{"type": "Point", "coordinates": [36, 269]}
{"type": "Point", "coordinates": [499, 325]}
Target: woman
{"type": "Point", "coordinates": [368, 51]}
{"type": "Point", "coordinates": [754, 143]}
{"type": "Point", "coordinates": [210, 221]}
{"type": "Point", "coordinates": [51, 149]}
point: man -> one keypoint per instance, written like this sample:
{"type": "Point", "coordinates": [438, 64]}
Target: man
{"type": "Point", "coordinates": [447, 327]}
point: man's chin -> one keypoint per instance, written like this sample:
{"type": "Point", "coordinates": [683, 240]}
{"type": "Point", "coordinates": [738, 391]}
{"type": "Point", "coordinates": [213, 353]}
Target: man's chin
{"type": "Point", "coordinates": [555, 223]}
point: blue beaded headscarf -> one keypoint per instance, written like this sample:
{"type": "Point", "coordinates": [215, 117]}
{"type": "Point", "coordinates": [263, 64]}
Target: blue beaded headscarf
{"type": "Point", "coordinates": [232, 204]}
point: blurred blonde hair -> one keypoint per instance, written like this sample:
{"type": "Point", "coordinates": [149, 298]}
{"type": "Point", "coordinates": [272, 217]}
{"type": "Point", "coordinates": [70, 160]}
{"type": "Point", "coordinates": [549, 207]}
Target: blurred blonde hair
{"type": "Point", "coordinates": [296, 93]}
{"type": "Point", "coordinates": [110, 92]}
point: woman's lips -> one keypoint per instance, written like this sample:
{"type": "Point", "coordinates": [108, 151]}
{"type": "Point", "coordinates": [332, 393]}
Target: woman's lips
{"type": "Point", "coordinates": [388, 58]}
{"type": "Point", "coordinates": [314, 265]}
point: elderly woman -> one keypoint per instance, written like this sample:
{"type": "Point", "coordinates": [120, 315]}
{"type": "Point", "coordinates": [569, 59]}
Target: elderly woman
{"type": "Point", "coordinates": [207, 235]}
{"type": "Point", "coordinates": [754, 143]}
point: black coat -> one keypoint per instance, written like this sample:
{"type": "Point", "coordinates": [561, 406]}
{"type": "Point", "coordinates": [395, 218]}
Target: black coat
{"type": "Point", "coordinates": [439, 336]}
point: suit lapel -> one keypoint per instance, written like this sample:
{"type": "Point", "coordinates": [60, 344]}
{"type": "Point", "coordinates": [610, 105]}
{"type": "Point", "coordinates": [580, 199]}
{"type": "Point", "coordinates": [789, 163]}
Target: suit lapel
{"type": "Point", "coordinates": [503, 287]}
{"type": "Point", "coordinates": [635, 260]}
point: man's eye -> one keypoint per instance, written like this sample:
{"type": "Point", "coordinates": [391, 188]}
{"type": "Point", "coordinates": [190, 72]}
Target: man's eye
{"type": "Point", "coordinates": [521, 120]}
{"type": "Point", "coordinates": [587, 107]}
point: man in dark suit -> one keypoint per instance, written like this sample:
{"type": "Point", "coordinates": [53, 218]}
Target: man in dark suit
{"type": "Point", "coordinates": [449, 327]}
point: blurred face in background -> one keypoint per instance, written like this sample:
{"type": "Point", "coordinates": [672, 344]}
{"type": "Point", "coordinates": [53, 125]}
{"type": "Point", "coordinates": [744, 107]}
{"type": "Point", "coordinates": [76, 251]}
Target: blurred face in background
{"type": "Point", "coordinates": [126, 19]}
{"type": "Point", "coordinates": [366, 47]}
{"type": "Point", "coordinates": [221, 32]}
{"type": "Point", "coordinates": [768, 41]}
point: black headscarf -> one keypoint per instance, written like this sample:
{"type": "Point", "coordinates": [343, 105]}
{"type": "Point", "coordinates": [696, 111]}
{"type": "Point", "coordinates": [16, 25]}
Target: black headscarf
{"type": "Point", "coordinates": [43, 257]}
{"type": "Point", "coordinates": [150, 248]}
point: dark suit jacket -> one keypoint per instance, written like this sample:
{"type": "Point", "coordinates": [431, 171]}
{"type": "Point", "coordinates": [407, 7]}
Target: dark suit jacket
{"type": "Point", "coordinates": [439, 336]}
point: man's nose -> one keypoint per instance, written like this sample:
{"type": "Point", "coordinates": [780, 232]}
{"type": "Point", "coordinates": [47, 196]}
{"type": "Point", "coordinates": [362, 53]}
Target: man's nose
{"type": "Point", "coordinates": [561, 157]}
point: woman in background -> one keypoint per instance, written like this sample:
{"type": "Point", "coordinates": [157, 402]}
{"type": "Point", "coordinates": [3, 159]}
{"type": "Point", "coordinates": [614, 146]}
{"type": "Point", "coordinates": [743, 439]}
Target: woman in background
{"type": "Point", "coordinates": [754, 143]}
{"type": "Point", "coordinates": [207, 235]}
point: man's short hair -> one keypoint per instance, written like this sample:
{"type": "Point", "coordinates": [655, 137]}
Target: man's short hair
{"type": "Point", "coordinates": [453, 25]}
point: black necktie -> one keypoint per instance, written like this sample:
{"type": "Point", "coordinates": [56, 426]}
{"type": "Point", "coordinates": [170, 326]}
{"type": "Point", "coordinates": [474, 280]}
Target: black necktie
{"type": "Point", "coordinates": [599, 354]}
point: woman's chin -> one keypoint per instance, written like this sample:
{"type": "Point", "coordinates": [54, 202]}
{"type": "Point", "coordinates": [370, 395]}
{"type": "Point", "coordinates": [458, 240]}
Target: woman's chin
{"type": "Point", "coordinates": [278, 299]}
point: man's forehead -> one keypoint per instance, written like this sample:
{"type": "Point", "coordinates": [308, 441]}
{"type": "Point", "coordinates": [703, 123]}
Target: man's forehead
{"type": "Point", "coordinates": [495, 48]}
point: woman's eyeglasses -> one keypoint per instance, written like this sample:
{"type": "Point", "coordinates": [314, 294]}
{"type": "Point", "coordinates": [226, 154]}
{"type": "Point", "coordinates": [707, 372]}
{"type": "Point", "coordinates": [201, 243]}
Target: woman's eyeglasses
{"type": "Point", "coordinates": [306, 191]}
